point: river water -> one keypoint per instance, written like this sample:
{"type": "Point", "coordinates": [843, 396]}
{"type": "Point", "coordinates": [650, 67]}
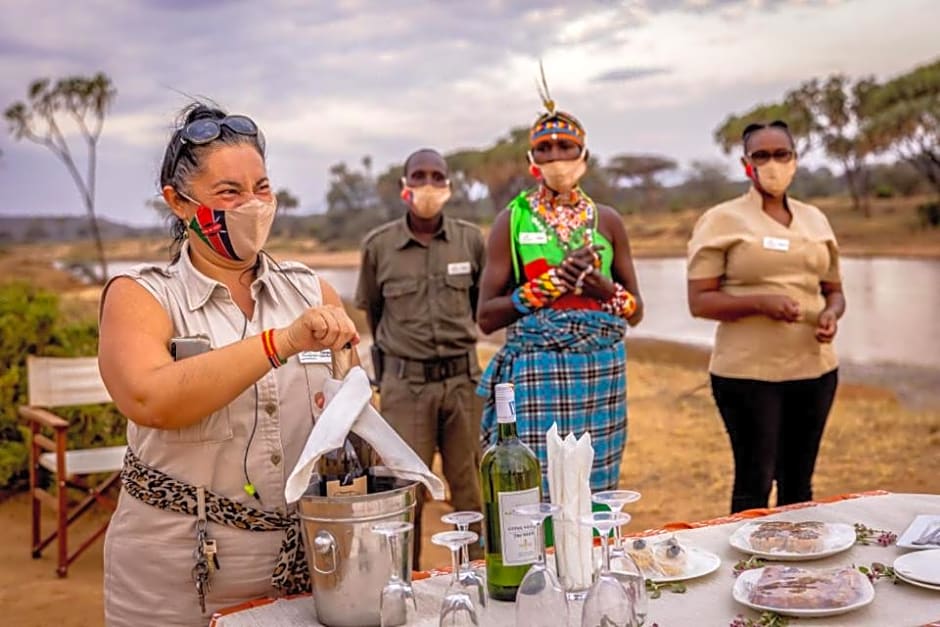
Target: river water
{"type": "Point", "coordinates": [893, 311]}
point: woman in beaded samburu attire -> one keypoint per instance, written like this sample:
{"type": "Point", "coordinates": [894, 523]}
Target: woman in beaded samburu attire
{"type": "Point", "coordinates": [560, 276]}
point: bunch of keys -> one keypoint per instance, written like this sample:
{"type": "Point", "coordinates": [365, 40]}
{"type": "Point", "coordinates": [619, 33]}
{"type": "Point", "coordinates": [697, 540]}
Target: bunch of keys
{"type": "Point", "coordinates": [205, 554]}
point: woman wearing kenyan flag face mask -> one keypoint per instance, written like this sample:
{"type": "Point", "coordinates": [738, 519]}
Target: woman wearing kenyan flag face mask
{"type": "Point", "coordinates": [766, 266]}
{"type": "Point", "coordinates": [215, 359]}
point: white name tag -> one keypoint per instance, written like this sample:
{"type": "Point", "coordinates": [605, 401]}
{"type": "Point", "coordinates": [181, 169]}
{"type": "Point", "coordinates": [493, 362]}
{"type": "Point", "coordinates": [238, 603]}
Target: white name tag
{"type": "Point", "coordinates": [460, 267]}
{"type": "Point", "coordinates": [315, 357]}
{"type": "Point", "coordinates": [533, 238]}
{"type": "Point", "coordinates": [777, 243]}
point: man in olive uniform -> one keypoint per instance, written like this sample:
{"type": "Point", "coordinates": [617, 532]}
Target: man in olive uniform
{"type": "Point", "coordinates": [418, 285]}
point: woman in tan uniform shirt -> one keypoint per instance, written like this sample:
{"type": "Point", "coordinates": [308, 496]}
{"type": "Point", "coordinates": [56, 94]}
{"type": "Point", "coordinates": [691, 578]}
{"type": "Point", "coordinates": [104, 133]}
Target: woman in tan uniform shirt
{"type": "Point", "coordinates": [766, 267]}
{"type": "Point", "coordinates": [216, 425]}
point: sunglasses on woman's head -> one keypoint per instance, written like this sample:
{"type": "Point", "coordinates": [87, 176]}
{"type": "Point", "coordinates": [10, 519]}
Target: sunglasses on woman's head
{"type": "Point", "coordinates": [205, 130]}
{"type": "Point", "coordinates": [763, 157]}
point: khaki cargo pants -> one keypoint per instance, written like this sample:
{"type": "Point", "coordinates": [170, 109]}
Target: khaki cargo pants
{"type": "Point", "coordinates": [444, 416]}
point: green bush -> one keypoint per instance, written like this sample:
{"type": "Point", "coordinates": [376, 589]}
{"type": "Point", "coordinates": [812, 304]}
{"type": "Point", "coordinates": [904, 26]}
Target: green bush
{"type": "Point", "coordinates": [31, 324]}
{"type": "Point", "coordinates": [884, 191]}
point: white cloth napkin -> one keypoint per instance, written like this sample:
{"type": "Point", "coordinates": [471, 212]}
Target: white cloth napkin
{"type": "Point", "coordinates": [348, 409]}
{"type": "Point", "coordinates": [569, 486]}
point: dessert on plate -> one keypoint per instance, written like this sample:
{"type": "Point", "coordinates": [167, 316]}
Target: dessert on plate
{"type": "Point", "coordinates": [664, 558]}
{"type": "Point", "coordinates": [781, 536]}
{"type": "Point", "coordinates": [792, 587]}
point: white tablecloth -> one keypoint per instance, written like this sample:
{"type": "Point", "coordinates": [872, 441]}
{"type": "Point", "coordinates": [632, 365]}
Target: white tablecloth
{"type": "Point", "coordinates": [708, 600]}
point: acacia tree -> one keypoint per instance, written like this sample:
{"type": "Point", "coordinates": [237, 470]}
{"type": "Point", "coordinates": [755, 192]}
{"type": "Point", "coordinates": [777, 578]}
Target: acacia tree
{"type": "Point", "coordinates": [641, 170]}
{"type": "Point", "coordinates": [84, 101]}
{"type": "Point", "coordinates": [903, 115]}
{"type": "Point", "coordinates": [837, 106]}
{"type": "Point", "coordinates": [829, 115]}
{"type": "Point", "coordinates": [792, 110]}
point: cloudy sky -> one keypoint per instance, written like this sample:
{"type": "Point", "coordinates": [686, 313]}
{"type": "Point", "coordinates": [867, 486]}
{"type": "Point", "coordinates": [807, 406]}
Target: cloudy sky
{"type": "Point", "coordinates": [335, 80]}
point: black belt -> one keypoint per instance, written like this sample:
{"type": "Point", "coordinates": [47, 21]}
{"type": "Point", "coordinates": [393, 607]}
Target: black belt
{"type": "Point", "coordinates": [429, 370]}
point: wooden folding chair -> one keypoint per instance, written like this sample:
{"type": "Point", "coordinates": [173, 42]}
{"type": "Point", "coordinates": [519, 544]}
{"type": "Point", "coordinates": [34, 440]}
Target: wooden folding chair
{"type": "Point", "coordinates": [59, 382]}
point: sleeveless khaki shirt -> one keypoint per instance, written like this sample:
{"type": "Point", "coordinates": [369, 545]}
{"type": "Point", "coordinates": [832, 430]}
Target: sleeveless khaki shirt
{"type": "Point", "coordinates": [148, 551]}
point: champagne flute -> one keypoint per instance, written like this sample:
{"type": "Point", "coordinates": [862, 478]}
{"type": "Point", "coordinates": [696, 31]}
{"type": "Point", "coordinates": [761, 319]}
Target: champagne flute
{"type": "Point", "coordinates": [468, 576]}
{"type": "Point", "coordinates": [607, 603]}
{"type": "Point", "coordinates": [540, 600]}
{"type": "Point", "coordinates": [457, 606]}
{"type": "Point", "coordinates": [393, 604]}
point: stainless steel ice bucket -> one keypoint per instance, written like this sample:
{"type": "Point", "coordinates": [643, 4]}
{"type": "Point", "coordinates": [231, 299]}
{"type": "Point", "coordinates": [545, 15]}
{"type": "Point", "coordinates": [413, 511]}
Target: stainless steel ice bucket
{"type": "Point", "coordinates": [349, 564]}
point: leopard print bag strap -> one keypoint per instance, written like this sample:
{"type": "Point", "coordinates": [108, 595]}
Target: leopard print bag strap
{"type": "Point", "coordinates": [157, 489]}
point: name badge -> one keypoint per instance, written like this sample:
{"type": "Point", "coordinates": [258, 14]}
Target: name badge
{"type": "Point", "coordinates": [315, 357]}
{"type": "Point", "coordinates": [533, 238]}
{"type": "Point", "coordinates": [780, 244]}
{"type": "Point", "coordinates": [460, 267]}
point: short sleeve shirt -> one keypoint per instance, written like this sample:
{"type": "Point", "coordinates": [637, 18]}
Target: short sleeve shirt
{"type": "Point", "coordinates": [754, 254]}
{"type": "Point", "coordinates": [425, 292]}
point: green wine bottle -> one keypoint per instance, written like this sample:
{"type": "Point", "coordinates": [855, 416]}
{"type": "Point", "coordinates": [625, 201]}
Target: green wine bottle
{"type": "Point", "coordinates": [510, 476]}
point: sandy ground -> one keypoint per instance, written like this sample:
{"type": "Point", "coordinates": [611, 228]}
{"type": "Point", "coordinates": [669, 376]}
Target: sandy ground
{"type": "Point", "coordinates": [677, 455]}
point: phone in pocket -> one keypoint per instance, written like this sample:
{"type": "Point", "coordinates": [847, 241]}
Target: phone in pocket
{"type": "Point", "coordinates": [183, 347]}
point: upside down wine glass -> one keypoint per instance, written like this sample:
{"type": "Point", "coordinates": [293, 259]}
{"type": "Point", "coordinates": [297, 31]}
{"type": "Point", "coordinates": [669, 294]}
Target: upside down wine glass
{"type": "Point", "coordinates": [540, 600]}
{"type": "Point", "coordinates": [622, 566]}
{"type": "Point", "coordinates": [468, 576]}
{"type": "Point", "coordinates": [394, 606]}
{"type": "Point", "coordinates": [457, 608]}
{"type": "Point", "coordinates": [607, 604]}
{"type": "Point", "coordinates": [615, 500]}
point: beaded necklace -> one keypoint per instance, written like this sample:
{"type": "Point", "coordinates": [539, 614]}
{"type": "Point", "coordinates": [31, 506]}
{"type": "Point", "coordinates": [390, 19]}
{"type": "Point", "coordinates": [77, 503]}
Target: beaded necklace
{"type": "Point", "coordinates": [568, 217]}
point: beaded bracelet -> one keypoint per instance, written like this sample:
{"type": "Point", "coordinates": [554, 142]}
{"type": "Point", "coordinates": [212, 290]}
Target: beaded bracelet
{"type": "Point", "coordinates": [622, 304]}
{"type": "Point", "coordinates": [538, 292]}
{"type": "Point", "coordinates": [267, 340]}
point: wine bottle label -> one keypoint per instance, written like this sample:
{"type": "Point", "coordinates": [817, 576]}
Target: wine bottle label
{"type": "Point", "coordinates": [357, 487]}
{"type": "Point", "coordinates": [517, 534]}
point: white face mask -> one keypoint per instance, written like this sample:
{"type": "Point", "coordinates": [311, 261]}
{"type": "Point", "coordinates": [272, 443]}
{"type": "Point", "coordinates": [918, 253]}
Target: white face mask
{"type": "Point", "coordinates": [775, 177]}
{"type": "Point", "coordinates": [235, 234]}
{"type": "Point", "coordinates": [563, 176]}
{"type": "Point", "coordinates": [426, 201]}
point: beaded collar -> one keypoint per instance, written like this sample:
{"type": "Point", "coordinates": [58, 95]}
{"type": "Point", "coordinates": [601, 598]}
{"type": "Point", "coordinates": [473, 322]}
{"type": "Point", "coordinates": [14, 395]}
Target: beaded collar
{"type": "Point", "coordinates": [569, 217]}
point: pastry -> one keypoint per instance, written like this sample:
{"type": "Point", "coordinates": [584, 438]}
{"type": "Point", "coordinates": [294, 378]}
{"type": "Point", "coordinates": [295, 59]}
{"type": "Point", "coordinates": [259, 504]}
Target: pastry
{"type": "Point", "coordinates": [781, 536]}
{"type": "Point", "coordinates": [791, 587]}
{"type": "Point", "coordinates": [670, 557]}
{"type": "Point", "coordinates": [642, 554]}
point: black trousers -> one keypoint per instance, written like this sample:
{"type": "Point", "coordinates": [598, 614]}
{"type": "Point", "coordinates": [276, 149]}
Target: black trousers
{"type": "Point", "coordinates": [775, 430]}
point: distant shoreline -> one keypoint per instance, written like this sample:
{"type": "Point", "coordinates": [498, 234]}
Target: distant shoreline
{"type": "Point", "coordinates": [349, 258]}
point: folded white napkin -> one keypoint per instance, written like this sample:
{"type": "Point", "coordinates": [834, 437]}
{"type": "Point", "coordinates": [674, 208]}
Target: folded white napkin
{"type": "Point", "coordinates": [569, 474]}
{"type": "Point", "coordinates": [348, 409]}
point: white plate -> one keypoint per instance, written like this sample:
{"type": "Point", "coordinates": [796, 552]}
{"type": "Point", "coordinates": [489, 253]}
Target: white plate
{"type": "Point", "coordinates": [749, 578]}
{"type": "Point", "coordinates": [699, 563]}
{"type": "Point", "coordinates": [916, 529]}
{"type": "Point", "coordinates": [914, 582]}
{"type": "Point", "coordinates": [839, 537]}
{"type": "Point", "coordinates": [922, 566]}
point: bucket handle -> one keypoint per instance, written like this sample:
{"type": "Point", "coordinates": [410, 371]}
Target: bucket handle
{"type": "Point", "coordinates": [325, 543]}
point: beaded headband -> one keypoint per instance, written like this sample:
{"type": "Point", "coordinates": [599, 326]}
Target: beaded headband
{"type": "Point", "coordinates": [553, 124]}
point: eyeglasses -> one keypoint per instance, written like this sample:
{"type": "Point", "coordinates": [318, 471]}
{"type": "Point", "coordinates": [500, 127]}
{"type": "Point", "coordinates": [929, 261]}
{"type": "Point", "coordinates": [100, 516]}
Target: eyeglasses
{"type": "Point", "coordinates": [207, 130]}
{"type": "Point", "coordinates": [763, 157]}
